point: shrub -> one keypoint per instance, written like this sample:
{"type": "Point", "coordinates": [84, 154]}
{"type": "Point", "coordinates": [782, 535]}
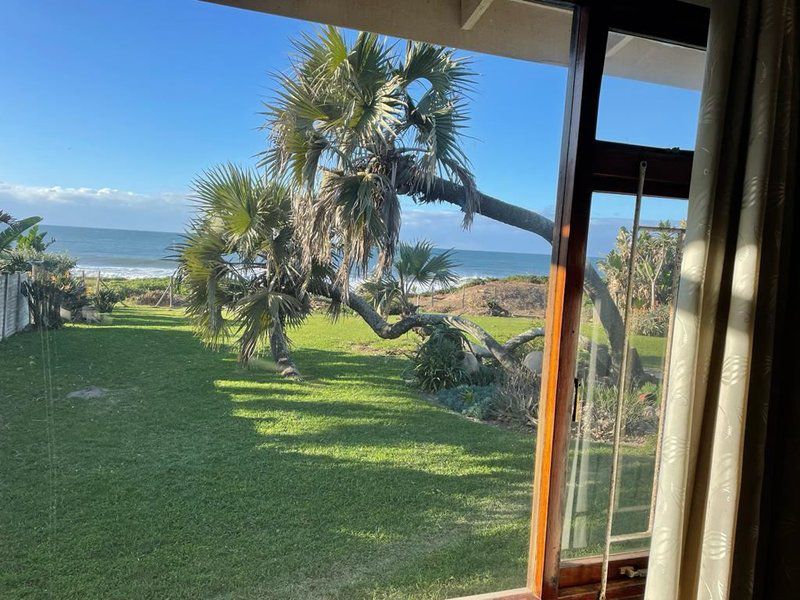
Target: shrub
{"type": "Point", "coordinates": [485, 375]}
{"type": "Point", "coordinates": [653, 323]}
{"type": "Point", "coordinates": [518, 398]}
{"type": "Point", "coordinates": [23, 260]}
{"type": "Point", "coordinates": [105, 300]}
{"type": "Point", "coordinates": [49, 293]}
{"type": "Point", "coordinates": [476, 401]}
{"type": "Point", "coordinates": [640, 412]}
{"type": "Point", "coordinates": [438, 362]}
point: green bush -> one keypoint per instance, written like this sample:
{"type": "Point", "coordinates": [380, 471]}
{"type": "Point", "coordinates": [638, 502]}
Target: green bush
{"type": "Point", "coordinates": [105, 300]}
{"type": "Point", "coordinates": [653, 323]}
{"type": "Point", "coordinates": [49, 293]}
{"type": "Point", "coordinates": [133, 287]}
{"type": "Point", "coordinates": [485, 375]}
{"type": "Point", "coordinates": [438, 362]}
{"type": "Point", "coordinates": [518, 398]}
{"type": "Point", "coordinates": [476, 401]}
{"type": "Point", "coordinates": [639, 413]}
{"type": "Point", "coordinates": [23, 260]}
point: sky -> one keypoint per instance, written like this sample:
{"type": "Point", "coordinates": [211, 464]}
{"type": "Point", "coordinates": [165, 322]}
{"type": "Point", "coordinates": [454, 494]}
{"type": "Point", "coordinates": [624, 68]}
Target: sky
{"type": "Point", "coordinates": [109, 109]}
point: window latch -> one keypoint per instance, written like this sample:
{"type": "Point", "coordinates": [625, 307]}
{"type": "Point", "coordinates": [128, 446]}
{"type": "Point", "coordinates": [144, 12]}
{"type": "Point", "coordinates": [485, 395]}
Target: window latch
{"type": "Point", "coordinates": [632, 572]}
{"type": "Point", "coordinates": [575, 387]}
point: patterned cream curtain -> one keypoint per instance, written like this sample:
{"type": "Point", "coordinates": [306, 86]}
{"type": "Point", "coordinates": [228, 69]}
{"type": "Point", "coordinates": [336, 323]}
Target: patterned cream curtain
{"type": "Point", "coordinates": [726, 522]}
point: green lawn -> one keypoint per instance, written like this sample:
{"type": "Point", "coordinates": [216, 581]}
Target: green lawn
{"type": "Point", "coordinates": [195, 478]}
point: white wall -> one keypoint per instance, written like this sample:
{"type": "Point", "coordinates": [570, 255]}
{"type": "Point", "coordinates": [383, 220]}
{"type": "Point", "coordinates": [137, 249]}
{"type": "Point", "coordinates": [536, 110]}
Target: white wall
{"type": "Point", "coordinates": [14, 314]}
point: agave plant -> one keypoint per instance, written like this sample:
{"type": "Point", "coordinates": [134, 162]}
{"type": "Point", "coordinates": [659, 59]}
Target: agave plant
{"type": "Point", "coordinates": [355, 126]}
{"type": "Point", "coordinates": [418, 267]}
{"type": "Point", "coordinates": [240, 265]}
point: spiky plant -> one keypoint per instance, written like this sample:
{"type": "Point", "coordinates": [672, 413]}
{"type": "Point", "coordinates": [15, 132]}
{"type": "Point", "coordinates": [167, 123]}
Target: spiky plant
{"type": "Point", "coordinates": [240, 265]}
{"type": "Point", "coordinates": [356, 125]}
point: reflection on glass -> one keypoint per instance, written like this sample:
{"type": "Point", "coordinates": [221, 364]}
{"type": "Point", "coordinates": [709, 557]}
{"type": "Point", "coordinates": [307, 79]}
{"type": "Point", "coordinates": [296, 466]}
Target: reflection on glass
{"type": "Point", "coordinates": [656, 264]}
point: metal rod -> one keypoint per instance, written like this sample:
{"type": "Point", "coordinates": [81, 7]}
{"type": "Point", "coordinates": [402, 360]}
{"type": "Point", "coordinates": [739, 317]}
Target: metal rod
{"type": "Point", "coordinates": [621, 388]}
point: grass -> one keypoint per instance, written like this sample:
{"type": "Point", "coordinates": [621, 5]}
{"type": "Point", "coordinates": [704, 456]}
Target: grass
{"type": "Point", "coordinates": [194, 478]}
{"type": "Point", "coordinates": [651, 350]}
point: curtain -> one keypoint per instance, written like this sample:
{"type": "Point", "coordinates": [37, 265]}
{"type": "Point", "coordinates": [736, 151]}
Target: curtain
{"type": "Point", "coordinates": [726, 522]}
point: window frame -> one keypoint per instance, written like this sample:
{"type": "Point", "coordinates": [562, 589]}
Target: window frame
{"type": "Point", "coordinates": [590, 165]}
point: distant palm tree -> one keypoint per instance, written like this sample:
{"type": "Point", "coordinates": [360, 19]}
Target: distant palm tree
{"type": "Point", "coordinates": [240, 266]}
{"type": "Point", "coordinates": [418, 267]}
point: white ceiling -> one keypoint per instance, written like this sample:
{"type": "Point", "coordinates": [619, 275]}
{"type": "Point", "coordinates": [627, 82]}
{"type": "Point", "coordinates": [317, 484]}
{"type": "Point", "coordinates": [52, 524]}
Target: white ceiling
{"type": "Point", "coordinates": [513, 28]}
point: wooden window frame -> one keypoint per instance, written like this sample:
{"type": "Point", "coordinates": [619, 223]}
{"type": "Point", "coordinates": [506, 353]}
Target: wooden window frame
{"type": "Point", "coordinates": [589, 165]}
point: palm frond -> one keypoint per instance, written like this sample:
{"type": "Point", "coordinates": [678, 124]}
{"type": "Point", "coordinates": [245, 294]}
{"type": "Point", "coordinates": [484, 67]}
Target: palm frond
{"type": "Point", "coordinates": [350, 127]}
{"type": "Point", "coordinates": [15, 229]}
{"type": "Point", "coordinates": [419, 264]}
{"type": "Point", "coordinates": [383, 293]}
{"type": "Point", "coordinates": [257, 313]}
{"type": "Point", "coordinates": [439, 66]}
{"type": "Point", "coordinates": [240, 258]}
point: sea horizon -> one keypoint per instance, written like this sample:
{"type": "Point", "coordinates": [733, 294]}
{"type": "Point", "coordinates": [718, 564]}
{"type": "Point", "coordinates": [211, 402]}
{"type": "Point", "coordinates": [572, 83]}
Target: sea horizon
{"type": "Point", "coordinates": [134, 253]}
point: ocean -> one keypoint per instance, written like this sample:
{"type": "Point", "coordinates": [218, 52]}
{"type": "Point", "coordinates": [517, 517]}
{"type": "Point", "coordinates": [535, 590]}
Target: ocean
{"type": "Point", "coordinates": [135, 254]}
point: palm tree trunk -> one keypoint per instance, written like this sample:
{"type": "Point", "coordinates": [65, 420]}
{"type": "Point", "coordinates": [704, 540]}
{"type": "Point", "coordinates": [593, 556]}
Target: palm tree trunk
{"type": "Point", "coordinates": [279, 346]}
{"type": "Point", "coordinates": [489, 346]}
{"type": "Point", "coordinates": [442, 190]}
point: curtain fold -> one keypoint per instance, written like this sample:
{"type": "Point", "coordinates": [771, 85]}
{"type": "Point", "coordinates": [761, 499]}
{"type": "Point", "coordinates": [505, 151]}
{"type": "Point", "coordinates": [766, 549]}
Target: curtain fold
{"type": "Point", "coordinates": [721, 516]}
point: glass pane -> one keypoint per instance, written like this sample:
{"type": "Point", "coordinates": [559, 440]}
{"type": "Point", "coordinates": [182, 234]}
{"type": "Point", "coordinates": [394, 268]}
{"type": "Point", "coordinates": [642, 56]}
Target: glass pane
{"type": "Point", "coordinates": [650, 93]}
{"type": "Point", "coordinates": [653, 288]}
{"type": "Point", "coordinates": [134, 458]}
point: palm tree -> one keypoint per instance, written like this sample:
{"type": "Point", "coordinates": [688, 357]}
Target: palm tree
{"type": "Point", "coordinates": [356, 125]}
{"type": "Point", "coordinates": [240, 265]}
{"type": "Point", "coordinates": [246, 279]}
{"type": "Point", "coordinates": [418, 267]}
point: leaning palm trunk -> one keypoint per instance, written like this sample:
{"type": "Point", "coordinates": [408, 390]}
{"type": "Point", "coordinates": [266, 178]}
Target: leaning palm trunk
{"type": "Point", "coordinates": [442, 190]}
{"type": "Point", "coordinates": [486, 346]}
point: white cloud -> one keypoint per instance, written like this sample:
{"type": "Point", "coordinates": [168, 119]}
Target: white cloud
{"type": "Point", "coordinates": [35, 195]}
{"type": "Point", "coordinates": [97, 207]}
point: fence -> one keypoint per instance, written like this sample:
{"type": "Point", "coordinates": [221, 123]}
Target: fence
{"type": "Point", "coordinates": [14, 314]}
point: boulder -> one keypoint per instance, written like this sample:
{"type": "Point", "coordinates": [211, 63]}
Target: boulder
{"type": "Point", "coordinates": [533, 361]}
{"type": "Point", "coordinates": [470, 363]}
{"type": "Point", "coordinates": [89, 314]}
{"type": "Point", "coordinates": [90, 392]}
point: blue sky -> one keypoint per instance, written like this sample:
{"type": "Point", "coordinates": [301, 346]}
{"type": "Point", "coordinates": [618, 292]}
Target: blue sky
{"type": "Point", "coordinates": [109, 109]}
